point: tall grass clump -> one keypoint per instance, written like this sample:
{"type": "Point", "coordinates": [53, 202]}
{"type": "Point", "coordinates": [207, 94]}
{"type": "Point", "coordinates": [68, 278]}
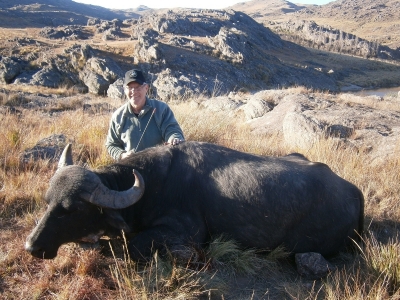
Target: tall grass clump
{"type": "Point", "coordinates": [160, 278]}
{"type": "Point", "coordinates": [382, 261]}
{"type": "Point", "coordinates": [234, 260]}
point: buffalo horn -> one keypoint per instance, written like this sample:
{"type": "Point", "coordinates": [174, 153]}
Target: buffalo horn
{"type": "Point", "coordinates": [104, 197]}
{"type": "Point", "coordinates": [66, 157]}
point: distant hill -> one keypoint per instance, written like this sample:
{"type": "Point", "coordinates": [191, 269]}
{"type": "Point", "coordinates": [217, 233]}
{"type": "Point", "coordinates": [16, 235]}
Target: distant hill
{"type": "Point", "coordinates": [40, 13]}
{"type": "Point", "coordinates": [259, 9]}
{"type": "Point", "coordinates": [372, 20]}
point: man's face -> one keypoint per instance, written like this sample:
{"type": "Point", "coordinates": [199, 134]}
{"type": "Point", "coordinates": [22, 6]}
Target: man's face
{"type": "Point", "coordinates": [136, 94]}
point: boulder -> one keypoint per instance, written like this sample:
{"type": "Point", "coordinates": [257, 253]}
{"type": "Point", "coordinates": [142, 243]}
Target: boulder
{"type": "Point", "coordinates": [169, 86]}
{"type": "Point", "coordinates": [9, 69]}
{"type": "Point", "coordinates": [96, 84]}
{"type": "Point", "coordinates": [272, 122]}
{"type": "Point", "coordinates": [255, 108]}
{"type": "Point", "coordinates": [65, 32]}
{"type": "Point", "coordinates": [221, 103]}
{"type": "Point", "coordinates": [301, 131]}
{"type": "Point", "coordinates": [313, 265]}
{"type": "Point", "coordinates": [49, 76]}
{"type": "Point", "coordinates": [48, 148]}
{"type": "Point", "coordinates": [106, 68]}
{"type": "Point", "coordinates": [93, 21]}
{"type": "Point", "coordinates": [116, 89]}
{"type": "Point", "coordinates": [99, 73]}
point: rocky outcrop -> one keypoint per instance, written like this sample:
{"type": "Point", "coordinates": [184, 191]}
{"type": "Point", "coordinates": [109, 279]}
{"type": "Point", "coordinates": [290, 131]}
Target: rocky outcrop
{"type": "Point", "coordinates": [310, 34]}
{"type": "Point", "coordinates": [116, 89]}
{"type": "Point", "coordinates": [303, 119]}
{"type": "Point", "coordinates": [78, 67]}
{"type": "Point", "coordinates": [9, 69]}
{"type": "Point", "coordinates": [237, 54]}
{"type": "Point", "coordinates": [53, 74]}
{"type": "Point", "coordinates": [341, 25]}
{"type": "Point", "coordinates": [71, 32]}
{"type": "Point", "coordinates": [256, 107]}
{"type": "Point", "coordinates": [99, 73]}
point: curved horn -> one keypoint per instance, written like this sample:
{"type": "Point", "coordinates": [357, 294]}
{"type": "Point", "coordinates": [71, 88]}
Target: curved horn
{"type": "Point", "coordinates": [104, 197]}
{"type": "Point", "coordinates": [66, 157]}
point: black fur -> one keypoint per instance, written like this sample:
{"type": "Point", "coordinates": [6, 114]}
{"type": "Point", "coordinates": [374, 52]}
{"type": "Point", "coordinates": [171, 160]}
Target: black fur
{"type": "Point", "coordinates": [195, 191]}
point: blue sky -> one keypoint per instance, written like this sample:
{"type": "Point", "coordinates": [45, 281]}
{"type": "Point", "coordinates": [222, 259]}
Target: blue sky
{"type": "Point", "coordinates": [216, 4]}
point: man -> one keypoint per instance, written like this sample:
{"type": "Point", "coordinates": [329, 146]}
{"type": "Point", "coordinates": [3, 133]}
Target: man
{"type": "Point", "coordinates": [141, 122]}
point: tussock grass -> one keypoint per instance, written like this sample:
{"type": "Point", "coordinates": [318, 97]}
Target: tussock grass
{"type": "Point", "coordinates": [220, 271]}
{"type": "Point", "coordinates": [63, 90]}
{"type": "Point", "coordinates": [158, 278]}
{"type": "Point", "coordinates": [388, 102]}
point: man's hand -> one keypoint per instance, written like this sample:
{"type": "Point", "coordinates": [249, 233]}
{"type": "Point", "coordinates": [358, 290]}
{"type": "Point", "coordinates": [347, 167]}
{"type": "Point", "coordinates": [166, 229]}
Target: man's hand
{"type": "Point", "coordinates": [176, 141]}
{"type": "Point", "coordinates": [126, 154]}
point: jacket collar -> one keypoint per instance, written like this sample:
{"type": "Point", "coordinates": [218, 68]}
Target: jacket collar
{"type": "Point", "coordinates": [144, 110]}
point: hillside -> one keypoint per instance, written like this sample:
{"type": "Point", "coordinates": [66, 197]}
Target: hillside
{"type": "Point", "coordinates": [371, 20]}
{"type": "Point", "coordinates": [185, 51]}
{"type": "Point", "coordinates": [31, 13]}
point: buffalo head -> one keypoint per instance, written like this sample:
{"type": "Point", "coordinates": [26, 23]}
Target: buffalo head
{"type": "Point", "coordinates": [80, 207]}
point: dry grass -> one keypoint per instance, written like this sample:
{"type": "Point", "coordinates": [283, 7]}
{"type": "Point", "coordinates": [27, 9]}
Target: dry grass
{"type": "Point", "coordinates": [220, 271]}
{"type": "Point", "coordinates": [14, 89]}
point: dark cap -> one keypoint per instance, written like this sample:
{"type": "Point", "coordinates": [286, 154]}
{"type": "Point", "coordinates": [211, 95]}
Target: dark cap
{"type": "Point", "coordinates": [134, 75]}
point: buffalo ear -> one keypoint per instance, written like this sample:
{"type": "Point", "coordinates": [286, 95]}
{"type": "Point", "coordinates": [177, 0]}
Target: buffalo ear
{"type": "Point", "coordinates": [115, 219]}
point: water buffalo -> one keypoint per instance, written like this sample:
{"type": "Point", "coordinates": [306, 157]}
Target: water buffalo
{"type": "Point", "coordinates": [196, 191]}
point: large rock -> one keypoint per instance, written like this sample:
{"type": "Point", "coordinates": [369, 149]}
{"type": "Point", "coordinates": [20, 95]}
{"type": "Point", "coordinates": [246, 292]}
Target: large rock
{"type": "Point", "coordinates": [221, 103]}
{"type": "Point", "coordinates": [99, 73]}
{"type": "Point", "coordinates": [49, 76]}
{"type": "Point", "coordinates": [71, 32]}
{"type": "Point", "coordinates": [49, 148]}
{"type": "Point", "coordinates": [9, 69]}
{"type": "Point", "coordinates": [106, 68]}
{"type": "Point", "coordinates": [96, 84]}
{"type": "Point", "coordinates": [116, 89]}
{"type": "Point", "coordinates": [169, 84]}
{"type": "Point", "coordinates": [313, 265]}
{"type": "Point", "coordinates": [300, 130]}
{"type": "Point", "coordinates": [79, 55]}
{"type": "Point", "coordinates": [256, 108]}
{"type": "Point", "coordinates": [273, 121]}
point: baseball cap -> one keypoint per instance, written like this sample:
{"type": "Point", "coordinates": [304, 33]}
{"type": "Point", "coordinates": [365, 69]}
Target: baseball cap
{"type": "Point", "coordinates": [134, 75]}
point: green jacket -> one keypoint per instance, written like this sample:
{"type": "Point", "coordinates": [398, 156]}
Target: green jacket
{"type": "Point", "coordinates": [126, 129]}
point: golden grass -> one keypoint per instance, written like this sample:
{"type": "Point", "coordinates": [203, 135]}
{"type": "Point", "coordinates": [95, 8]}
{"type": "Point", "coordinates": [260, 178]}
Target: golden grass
{"type": "Point", "coordinates": [220, 271]}
{"type": "Point", "coordinates": [62, 90]}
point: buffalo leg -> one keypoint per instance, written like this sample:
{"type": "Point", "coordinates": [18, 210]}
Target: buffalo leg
{"type": "Point", "coordinates": [159, 238]}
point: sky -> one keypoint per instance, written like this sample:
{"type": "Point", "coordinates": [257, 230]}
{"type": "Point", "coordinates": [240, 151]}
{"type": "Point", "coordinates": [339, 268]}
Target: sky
{"type": "Point", "coordinates": [214, 4]}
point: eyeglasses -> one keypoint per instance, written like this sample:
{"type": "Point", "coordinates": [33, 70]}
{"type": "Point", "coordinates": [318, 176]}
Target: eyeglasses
{"type": "Point", "coordinates": [138, 88]}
